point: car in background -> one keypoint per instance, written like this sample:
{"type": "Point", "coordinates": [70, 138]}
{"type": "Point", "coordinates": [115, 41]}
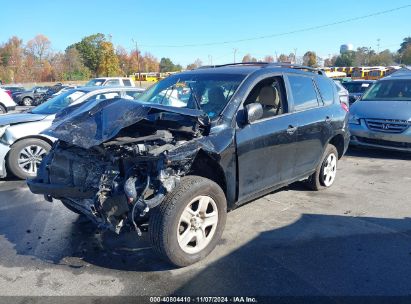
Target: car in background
{"type": "Point", "coordinates": [6, 102]}
{"type": "Point", "coordinates": [29, 97]}
{"type": "Point", "coordinates": [54, 91]}
{"type": "Point", "coordinates": [382, 117]}
{"type": "Point", "coordinates": [111, 81]}
{"type": "Point", "coordinates": [342, 93]}
{"type": "Point", "coordinates": [22, 147]}
{"type": "Point", "coordinates": [356, 88]}
{"type": "Point", "coordinates": [13, 89]}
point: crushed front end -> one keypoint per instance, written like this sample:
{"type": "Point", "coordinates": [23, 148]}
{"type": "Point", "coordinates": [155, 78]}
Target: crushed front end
{"type": "Point", "coordinates": [116, 182]}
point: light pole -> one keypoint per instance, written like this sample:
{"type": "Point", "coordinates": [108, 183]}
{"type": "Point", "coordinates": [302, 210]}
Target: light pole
{"type": "Point", "coordinates": [235, 51]}
{"type": "Point", "coordinates": [138, 61]}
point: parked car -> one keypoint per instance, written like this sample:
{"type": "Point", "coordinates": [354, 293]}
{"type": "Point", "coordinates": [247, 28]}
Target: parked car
{"type": "Point", "coordinates": [342, 93]}
{"type": "Point", "coordinates": [382, 117]}
{"type": "Point", "coordinates": [356, 88]}
{"type": "Point", "coordinates": [13, 89]}
{"type": "Point", "coordinates": [54, 91]}
{"type": "Point", "coordinates": [244, 131]}
{"type": "Point", "coordinates": [28, 98]}
{"type": "Point", "coordinates": [6, 102]}
{"type": "Point", "coordinates": [22, 145]}
{"type": "Point", "coordinates": [111, 81]}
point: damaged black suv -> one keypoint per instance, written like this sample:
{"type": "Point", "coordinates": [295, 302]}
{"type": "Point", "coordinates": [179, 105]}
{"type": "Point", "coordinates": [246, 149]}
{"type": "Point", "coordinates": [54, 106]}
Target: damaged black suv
{"type": "Point", "coordinates": [195, 145]}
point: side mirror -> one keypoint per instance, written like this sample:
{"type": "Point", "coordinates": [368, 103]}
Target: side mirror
{"type": "Point", "coordinates": [253, 112]}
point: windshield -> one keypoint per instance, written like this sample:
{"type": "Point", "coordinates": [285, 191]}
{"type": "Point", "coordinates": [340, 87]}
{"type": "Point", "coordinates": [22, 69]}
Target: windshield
{"type": "Point", "coordinates": [95, 82]}
{"type": "Point", "coordinates": [208, 92]}
{"type": "Point", "coordinates": [56, 104]}
{"type": "Point", "coordinates": [357, 87]}
{"type": "Point", "coordinates": [398, 89]}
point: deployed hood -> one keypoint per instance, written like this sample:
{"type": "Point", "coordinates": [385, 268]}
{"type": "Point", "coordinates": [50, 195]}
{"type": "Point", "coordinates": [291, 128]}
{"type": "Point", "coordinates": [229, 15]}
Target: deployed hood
{"type": "Point", "coordinates": [380, 109]}
{"type": "Point", "coordinates": [12, 119]}
{"type": "Point", "coordinates": [96, 122]}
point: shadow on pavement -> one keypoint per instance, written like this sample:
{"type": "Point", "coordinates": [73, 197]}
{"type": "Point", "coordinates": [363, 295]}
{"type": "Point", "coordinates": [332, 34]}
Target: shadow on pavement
{"type": "Point", "coordinates": [318, 255]}
{"type": "Point", "coordinates": [377, 153]}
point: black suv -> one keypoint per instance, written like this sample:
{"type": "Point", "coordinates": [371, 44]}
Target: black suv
{"type": "Point", "coordinates": [195, 145]}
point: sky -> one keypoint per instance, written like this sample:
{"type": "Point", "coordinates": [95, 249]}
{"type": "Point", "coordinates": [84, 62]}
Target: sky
{"type": "Point", "coordinates": [185, 30]}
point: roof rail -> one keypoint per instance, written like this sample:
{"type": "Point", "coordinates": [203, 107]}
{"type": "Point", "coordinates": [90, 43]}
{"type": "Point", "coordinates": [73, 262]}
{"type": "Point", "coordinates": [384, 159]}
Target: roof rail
{"type": "Point", "coordinates": [268, 65]}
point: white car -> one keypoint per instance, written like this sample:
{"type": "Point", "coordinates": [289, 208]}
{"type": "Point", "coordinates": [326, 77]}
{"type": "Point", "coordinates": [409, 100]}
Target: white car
{"type": "Point", "coordinates": [111, 81]}
{"type": "Point", "coordinates": [6, 102]}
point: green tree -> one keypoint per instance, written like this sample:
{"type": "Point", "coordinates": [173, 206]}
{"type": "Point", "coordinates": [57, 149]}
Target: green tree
{"type": "Point", "coordinates": [345, 59]}
{"type": "Point", "coordinates": [384, 58]}
{"type": "Point", "coordinates": [406, 56]}
{"type": "Point", "coordinates": [166, 65]}
{"type": "Point", "coordinates": [283, 58]}
{"type": "Point", "coordinates": [74, 67]}
{"type": "Point", "coordinates": [196, 64]}
{"type": "Point", "coordinates": [310, 59]}
{"type": "Point", "coordinates": [90, 51]}
{"type": "Point", "coordinates": [404, 45]}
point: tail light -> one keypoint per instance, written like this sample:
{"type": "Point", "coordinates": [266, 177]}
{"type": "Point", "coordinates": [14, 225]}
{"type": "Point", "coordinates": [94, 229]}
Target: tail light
{"type": "Point", "coordinates": [9, 92]}
{"type": "Point", "coordinates": [345, 107]}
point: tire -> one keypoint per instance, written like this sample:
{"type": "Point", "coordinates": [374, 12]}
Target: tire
{"type": "Point", "coordinates": [167, 225]}
{"type": "Point", "coordinates": [34, 150]}
{"type": "Point", "coordinates": [2, 110]}
{"type": "Point", "coordinates": [325, 173]}
{"type": "Point", "coordinates": [27, 101]}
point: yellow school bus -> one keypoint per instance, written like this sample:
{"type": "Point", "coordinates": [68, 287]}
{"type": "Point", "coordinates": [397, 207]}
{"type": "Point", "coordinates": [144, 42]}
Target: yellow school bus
{"type": "Point", "coordinates": [377, 73]}
{"type": "Point", "coordinates": [360, 73]}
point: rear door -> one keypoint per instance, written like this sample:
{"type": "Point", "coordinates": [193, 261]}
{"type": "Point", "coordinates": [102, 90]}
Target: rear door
{"type": "Point", "coordinates": [308, 109]}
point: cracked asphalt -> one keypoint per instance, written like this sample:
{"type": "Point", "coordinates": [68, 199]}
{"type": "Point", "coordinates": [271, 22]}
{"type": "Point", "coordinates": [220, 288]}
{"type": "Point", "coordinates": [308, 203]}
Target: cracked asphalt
{"type": "Point", "coordinates": [353, 239]}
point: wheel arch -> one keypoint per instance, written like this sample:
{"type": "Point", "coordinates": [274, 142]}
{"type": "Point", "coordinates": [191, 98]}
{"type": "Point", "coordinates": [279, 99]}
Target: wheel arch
{"type": "Point", "coordinates": [338, 142]}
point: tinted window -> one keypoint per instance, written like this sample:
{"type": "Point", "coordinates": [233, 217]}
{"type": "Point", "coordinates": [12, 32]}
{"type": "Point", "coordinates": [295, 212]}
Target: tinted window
{"type": "Point", "coordinates": [326, 89]}
{"type": "Point", "coordinates": [112, 82]}
{"type": "Point", "coordinates": [303, 92]}
{"type": "Point", "coordinates": [127, 82]}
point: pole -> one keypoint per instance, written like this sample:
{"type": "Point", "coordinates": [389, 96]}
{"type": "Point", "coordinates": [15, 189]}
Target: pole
{"type": "Point", "coordinates": [235, 51]}
{"type": "Point", "coordinates": [138, 62]}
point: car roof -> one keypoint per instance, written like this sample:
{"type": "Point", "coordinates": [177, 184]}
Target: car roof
{"type": "Point", "coordinates": [248, 68]}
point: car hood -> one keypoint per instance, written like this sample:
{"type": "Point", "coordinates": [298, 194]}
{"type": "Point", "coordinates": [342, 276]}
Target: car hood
{"type": "Point", "coordinates": [380, 109]}
{"type": "Point", "coordinates": [96, 122]}
{"type": "Point", "coordinates": [12, 119]}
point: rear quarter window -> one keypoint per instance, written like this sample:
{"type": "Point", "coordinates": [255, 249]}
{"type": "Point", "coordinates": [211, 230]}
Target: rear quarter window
{"type": "Point", "coordinates": [127, 82]}
{"type": "Point", "coordinates": [326, 89]}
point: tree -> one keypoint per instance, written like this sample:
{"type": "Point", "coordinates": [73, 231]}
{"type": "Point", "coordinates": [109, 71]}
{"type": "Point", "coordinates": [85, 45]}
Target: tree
{"type": "Point", "coordinates": [384, 58]}
{"type": "Point", "coordinates": [12, 60]}
{"type": "Point", "coordinates": [74, 67]}
{"type": "Point", "coordinates": [247, 58]}
{"type": "Point", "coordinates": [39, 47]}
{"type": "Point", "coordinates": [166, 65]}
{"type": "Point", "coordinates": [310, 59]}
{"type": "Point", "coordinates": [196, 64]}
{"type": "Point", "coordinates": [345, 59]}
{"type": "Point", "coordinates": [90, 51]}
{"type": "Point", "coordinates": [329, 62]}
{"type": "Point", "coordinates": [108, 63]}
{"type": "Point", "coordinates": [151, 64]}
{"type": "Point", "coordinates": [404, 45]}
{"type": "Point", "coordinates": [283, 58]}
{"type": "Point", "coordinates": [268, 58]}
{"type": "Point", "coordinates": [406, 55]}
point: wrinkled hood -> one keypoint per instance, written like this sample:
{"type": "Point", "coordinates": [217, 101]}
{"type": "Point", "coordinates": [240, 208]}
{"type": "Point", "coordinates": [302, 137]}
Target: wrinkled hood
{"type": "Point", "coordinates": [95, 122]}
{"type": "Point", "coordinates": [380, 109]}
{"type": "Point", "coordinates": [12, 119]}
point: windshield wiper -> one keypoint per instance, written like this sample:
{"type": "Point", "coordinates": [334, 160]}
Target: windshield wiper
{"type": "Point", "coordinates": [194, 95]}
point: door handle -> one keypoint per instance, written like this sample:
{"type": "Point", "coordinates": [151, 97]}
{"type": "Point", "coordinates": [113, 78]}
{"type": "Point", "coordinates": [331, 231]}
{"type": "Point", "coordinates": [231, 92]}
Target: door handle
{"type": "Point", "coordinates": [328, 119]}
{"type": "Point", "coordinates": [291, 129]}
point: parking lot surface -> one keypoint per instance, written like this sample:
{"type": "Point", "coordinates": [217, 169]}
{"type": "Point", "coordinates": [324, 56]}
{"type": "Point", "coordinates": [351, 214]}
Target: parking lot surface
{"type": "Point", "coordinates": [352, 239]}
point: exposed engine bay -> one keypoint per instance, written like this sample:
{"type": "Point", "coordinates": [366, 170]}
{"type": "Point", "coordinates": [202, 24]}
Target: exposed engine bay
{"type": "Point", "coordinates": [118, 181]}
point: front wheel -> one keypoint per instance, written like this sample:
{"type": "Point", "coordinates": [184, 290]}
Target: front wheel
{"type": "Point", "coordinates": [188, 224]}
{"type": "Point", "coordinates": [2, 110]}
{"type": "Point", "coordinates": [25, 157]}
{"type": "Point", "coordinates": [27, 101]}
{"type": "Point", "coordinates": [326, 171]}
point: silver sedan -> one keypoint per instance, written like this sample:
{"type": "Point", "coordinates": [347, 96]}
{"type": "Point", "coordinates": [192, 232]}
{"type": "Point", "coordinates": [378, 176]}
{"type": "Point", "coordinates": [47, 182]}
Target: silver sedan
{"type": "Point", "coordinates": [22, 146]}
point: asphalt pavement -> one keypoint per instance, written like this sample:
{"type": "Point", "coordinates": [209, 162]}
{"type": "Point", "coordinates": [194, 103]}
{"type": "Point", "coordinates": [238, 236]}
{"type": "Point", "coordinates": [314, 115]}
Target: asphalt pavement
{"type": "Point", "coordinates": [352, 239]}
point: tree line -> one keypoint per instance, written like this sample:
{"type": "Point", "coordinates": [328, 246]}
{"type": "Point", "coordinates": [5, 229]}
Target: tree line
{"type": "Point", "coordinates": [95, 55]}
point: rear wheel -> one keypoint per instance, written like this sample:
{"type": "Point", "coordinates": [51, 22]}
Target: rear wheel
{"type": "Point", "coordinates": [326, 171]}
{"type": "Point", "coordinates": [25, 157]}
{"type": "Point", "coordinates": [188, 224]}
{"type": "Point", "coordinates": [2, 110]}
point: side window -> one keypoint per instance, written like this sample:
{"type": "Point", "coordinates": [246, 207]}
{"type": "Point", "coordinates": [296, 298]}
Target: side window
{"type": "Point", "coordinates": [326, 89]}
{"type": "Point", "coordinates": [127, 82]}
{"type": "Point", "coordinates": [103, 96]}
{"type": "Point", "coordinates": [132, 94]}
{"type": "Point", "coordinates": [112, 82]}
{"type": "Point", "coordinates": [303, 92]}
{"type": "Point", "coordinates": [271, 94]}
